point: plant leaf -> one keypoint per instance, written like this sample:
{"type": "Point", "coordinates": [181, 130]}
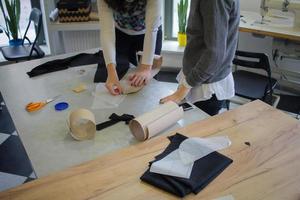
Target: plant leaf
{"type": "Point", "coordinates": [12, 18]}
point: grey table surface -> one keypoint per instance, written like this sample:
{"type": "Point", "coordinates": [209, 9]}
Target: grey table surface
{"type": "Point", "coordinates": [45, 133]}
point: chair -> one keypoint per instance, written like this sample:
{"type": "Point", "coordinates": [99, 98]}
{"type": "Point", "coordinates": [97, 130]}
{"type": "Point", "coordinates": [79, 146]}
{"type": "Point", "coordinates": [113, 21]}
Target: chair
{"type": "Point", "coordinates": [253, 85]}
{"type": "Point", "coordinates": [26, 51]}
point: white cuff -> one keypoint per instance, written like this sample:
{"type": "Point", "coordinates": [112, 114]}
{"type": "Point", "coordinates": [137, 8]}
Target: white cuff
{"type": "Point", "coordinates": [185, 83]}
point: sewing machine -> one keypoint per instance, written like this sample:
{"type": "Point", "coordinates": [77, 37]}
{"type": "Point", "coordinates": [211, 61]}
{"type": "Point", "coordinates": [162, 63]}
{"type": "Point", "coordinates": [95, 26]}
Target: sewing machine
{"type": "Point", "coordinates": [283, 5]}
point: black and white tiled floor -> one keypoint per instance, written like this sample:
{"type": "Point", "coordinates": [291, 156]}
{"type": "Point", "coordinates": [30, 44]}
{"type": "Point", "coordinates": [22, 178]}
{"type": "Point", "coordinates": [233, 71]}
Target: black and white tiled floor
{"type": "Point", "coordinates": [15, 166]}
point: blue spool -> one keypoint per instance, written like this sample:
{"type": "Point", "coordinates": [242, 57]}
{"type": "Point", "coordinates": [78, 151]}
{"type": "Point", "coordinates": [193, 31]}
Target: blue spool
{"type": "Point", "coordinates": [61, 106]}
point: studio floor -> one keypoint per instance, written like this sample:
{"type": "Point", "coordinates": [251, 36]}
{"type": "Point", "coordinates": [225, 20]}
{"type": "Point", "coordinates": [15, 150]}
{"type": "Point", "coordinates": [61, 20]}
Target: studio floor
{"type": "Point", "coordinates": [15, 166]}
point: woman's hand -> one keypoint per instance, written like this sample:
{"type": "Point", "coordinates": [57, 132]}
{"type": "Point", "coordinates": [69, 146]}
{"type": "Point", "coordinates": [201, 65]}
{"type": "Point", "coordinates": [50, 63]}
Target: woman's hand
{"type": "Point", "coordinates": [141, 76]}
{"type": "Point", "coordinates": [177, 96]}
{"type": "Point", "coordinates": [112, 83]}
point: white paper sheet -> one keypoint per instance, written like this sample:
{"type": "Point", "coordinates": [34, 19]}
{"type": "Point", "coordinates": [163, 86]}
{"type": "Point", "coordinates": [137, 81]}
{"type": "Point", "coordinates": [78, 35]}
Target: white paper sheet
{"type": "Point", "coordinates": [173, 166]}
{"type": "Point", "coordinates": [180, 162]}
{"type": "Point", "coordinates": [193, 149]}
{"type": "Point", "coordinates": [104, 100]}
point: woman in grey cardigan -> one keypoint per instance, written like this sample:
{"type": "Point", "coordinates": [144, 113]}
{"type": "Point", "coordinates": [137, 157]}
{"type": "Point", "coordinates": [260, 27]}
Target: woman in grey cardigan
{"type": "Point", "coordinates": [206, 78]}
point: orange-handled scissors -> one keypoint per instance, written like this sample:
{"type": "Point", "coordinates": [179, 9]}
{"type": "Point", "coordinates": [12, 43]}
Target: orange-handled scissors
{"type": "Point", "coordinates": [35, 106]}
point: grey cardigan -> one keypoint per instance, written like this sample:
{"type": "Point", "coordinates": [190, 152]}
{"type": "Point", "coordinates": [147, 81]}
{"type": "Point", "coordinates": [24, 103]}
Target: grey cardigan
{"type": "Point", "coordinates": [212, 33]}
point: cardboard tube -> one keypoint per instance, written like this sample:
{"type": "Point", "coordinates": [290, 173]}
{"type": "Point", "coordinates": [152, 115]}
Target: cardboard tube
{"type": "Point", "coordinates": [82, 124]}
{"type": "Point", "coordinates": [152, 123]}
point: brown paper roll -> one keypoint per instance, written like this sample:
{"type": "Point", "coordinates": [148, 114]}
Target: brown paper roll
{"type": "Point", "coordinates": [125, 83]}
{"type": "Point", "coordinates": [152, 123]}
{"type": "Point", "coordinates": [82, 124]}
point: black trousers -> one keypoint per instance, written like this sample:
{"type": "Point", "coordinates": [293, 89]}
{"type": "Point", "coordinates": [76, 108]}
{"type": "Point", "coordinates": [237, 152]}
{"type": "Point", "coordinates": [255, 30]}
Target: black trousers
{"type": "Point", "coordinates": [211, 106]}
{"type": "Point", "coordinates": [129, 45]}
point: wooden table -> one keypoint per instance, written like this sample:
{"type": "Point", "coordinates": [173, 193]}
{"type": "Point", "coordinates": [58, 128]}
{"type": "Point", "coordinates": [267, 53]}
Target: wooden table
{"type": "Point", "coordinates": [268, 169]}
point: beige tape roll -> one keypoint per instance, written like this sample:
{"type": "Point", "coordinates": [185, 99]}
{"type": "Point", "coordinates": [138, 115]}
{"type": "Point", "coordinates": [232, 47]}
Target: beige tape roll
{"type": "Point", "coordinates": [152, 123]}
{"type": "Point", "coordinates": [82, 124]}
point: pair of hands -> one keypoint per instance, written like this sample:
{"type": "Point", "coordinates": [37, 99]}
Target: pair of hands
{"type": "Point", "coordinates": [137, 79]}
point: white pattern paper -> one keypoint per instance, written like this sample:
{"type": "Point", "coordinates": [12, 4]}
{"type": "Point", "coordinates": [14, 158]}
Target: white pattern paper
{"type": "Point", "coordinates": [179, 163]}
{"type": "Point", "coordinates": [104, 100]}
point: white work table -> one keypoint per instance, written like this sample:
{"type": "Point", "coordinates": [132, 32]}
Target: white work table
{"type": "Point", "coordinates": [250, 24]}
{"type": "Point", "coordinates": [45, 133]}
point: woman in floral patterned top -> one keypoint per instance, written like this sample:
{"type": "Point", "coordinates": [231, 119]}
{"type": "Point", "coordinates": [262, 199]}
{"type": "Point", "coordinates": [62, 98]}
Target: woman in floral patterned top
{"type": "Point", "coordinates": [129, 26]}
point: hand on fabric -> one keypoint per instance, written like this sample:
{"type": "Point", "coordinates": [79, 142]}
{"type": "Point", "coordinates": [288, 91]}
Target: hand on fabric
{"type": "Point", "coordinates": [177, 96]}
{"type": "Point", "coordinates": [112, 83]}
{"type": "Point", "coordinates": [141, 76]}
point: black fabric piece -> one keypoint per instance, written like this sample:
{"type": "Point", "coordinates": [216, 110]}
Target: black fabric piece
{"type": "Point", "coordinates": [129, 45]}
{"type": "Point", "coordinates": [211, 106]}
{"type": "Point", "coordinates": [204, 171]}
{"type": "Point", "coordinates": [121, 68]}
{"type": "Point", "coordinates": [79, 60]}
{"type": "Point", "coordinates": [114, 119]}
{"type": "Point", "coordinates": [62, 64]}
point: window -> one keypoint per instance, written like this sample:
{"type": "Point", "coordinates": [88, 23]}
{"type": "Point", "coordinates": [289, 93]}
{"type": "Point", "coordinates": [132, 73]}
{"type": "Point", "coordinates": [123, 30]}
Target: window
{"type": "Point", "coordinates": [26, 6]}
{"type": "Point", "coordinates": [171, 19]}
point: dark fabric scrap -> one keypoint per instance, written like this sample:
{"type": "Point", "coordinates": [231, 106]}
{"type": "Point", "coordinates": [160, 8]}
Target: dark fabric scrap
{"type": "Point", "coordinates": [79, 60]}
{"type": "Point", "coordinates": [121, 68]}
{"type": "Point", "coordinates": [204, 171]}
{"type": "Point", "coordinates": [62, 64]}
{"type": "Point", "coordinates": [114, 119]}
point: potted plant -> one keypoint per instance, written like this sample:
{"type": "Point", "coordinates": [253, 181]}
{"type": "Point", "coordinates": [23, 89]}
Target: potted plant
{"type": "Point", "coordinates": [12, 19]}
{"type": "Point", "coordinates": [182, 7]}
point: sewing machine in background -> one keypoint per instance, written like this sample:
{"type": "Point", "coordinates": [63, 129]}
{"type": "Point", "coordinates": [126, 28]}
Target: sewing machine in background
{"type": "Point", "coordinates": [284, 6]}
{"type": "Point", "coordinates": [289, 17]}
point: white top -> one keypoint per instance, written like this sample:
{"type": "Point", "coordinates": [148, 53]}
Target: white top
{"type": "Point", "coordinates": [223, 89]}
{"type": "Point", "coordinates": [108, 39]}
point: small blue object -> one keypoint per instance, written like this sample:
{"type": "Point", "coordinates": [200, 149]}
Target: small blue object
{"type": "Point", "coordinates": [61, 106]}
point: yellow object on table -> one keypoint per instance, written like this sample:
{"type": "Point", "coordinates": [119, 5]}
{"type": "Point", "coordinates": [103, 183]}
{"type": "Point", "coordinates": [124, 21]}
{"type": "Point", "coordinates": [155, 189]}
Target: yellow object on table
{"type": "Point", "coordinates": [79, 88]}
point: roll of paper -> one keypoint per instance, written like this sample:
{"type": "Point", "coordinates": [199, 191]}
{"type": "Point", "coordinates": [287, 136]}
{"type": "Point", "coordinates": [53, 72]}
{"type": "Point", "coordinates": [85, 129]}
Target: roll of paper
{"type": "Point", "coordinates": [152, 123]}
{"type": "Point", "coordinates": [82, 124]}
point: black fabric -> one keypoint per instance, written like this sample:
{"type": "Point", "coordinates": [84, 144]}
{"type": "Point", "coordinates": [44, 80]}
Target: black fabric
{"type": "Point", "coordinates": [204, 171]}
{"type": "Point", "coordinates": [211, 106]}
{"type": "Point", "coordinates": [79, 60]}
{"type": "Point", "coordinates": [62, 64]}
{"type": "Point", "coordinates": [129, 45]}
{"type": "Point", "coordinates": [114, 118]}
{"type": "Point", "coordinates": [121, 68]}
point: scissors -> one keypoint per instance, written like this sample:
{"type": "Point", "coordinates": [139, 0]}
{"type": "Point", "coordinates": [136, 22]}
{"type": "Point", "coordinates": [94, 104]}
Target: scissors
{"type": "Point", "coordinates": [35, 106]}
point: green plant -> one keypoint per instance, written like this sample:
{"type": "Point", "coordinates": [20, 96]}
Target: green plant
{"type": "Point", "coordinates": [11, 17]}
{"type": "Point", "coordinates": [182, 7]}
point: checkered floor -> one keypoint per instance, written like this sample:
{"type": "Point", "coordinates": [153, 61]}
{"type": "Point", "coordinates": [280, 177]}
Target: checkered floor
{"type": "Point", "coordinates": [15, 166]}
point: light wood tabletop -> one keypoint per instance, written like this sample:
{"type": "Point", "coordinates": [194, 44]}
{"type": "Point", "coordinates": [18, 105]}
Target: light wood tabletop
{"type": "Point", "coordinates": [249, 24]}
{"type": "Point", "coordinates": [267, 169]}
